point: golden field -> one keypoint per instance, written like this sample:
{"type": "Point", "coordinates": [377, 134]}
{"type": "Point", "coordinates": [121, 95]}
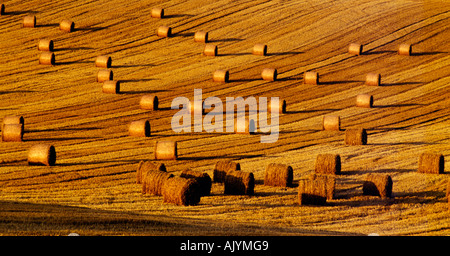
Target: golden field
{"type": "Point", "coordinates": [92, 189]}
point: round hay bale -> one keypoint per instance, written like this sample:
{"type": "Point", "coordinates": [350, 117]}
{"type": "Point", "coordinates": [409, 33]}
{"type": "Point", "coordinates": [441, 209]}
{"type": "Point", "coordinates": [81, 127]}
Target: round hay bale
{"type": "Point", "coordinates": [355, 49]}
{"type": "Point", "coordinates": [157, 13]}
{"type": "Point", "coordinates": [312, 192]}
{"type": "Point", "coordinates": [12, 132]}
{"type": "Point", "coordinates": [166, 150]}
{"type": "Point", "coordinates": [164, 31]}
{"type": "Point", "coordinates": [311, 77]}
{"type": "Point", "coordinates": [145, 166]}
{"type": "Point", "coordinates": [278, 175]}
{"type": "Point", "coordinates": [202, 178]}
{"type": "Point", "coordinates": [330, 183]}
{"type": "Point", "coordinates": [67, 26]}
{"type": "Point", "coordinates": [103, 61]}
{"type": "Point", "coordinates": [269, 74]}
{"type": "Point", "coordinates": [260, 49]}
{"type": "Point", "coordinates": [104, 75]}
{"type": "Point", "coordinates": [2, 9]}
{"type": "Point", "coordinates": [378, 185]}
{"type": "Point", "coordinates": [221, 169]}
{"type": "Point", "coordinates": [331, 123]}
{"type": "Point", "coordinates": [447, 194]}
{"type": "Point", "coordinates": [111, 86]}
{"type": "Point", "coordinates": [13, 120]}
{"type": "Point", "coordinates": [431, 163]}
{"type": "Point", "coordinates": [405, 49]}
{"type": "Point", "coordinates": [181, 191]}
{"type": "Point", "coordinates": [42, 154]}
{"type": "Point", "coordinates": [149, 102]}
{"type": "Point", "coordinates": [328, 164]}
{"type": "Point", "coordinates": [153, 181]}
{"type": "Point", "coordinates": [248, 127]}
{"type": "Point", "coordinates": [356, 136]}
{"type": "Point", "coordinates": [373, 79]}
{"type": "Point", "coordinates": [221, 76]}
{"type": "Point", "coordinates": [139, 128]}
{"type": "Point", "coordinates": [45, 45]}
{"type": "Point", "coordinates": [364, 100]}
{"type": "Point", "coordinates": [29, 21]}
{"type": "Point", "coordinates": [281, 108]}
{"type": "Point", "coordinates": [47, 58]}
{"type": "Point", "coordinates": [201, 36]}
{"type": "Point", "coordinates": [192, 107]}
{"type": "Point", "coordinates": [239, 183]}
{"type": "Point", "coordinates": [210, 50]}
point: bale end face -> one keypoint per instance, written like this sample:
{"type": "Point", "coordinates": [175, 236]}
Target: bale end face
{"type": "Point", "coordinates": [378, 185]}
{"type": "Point", "coordinates": [431, 163]}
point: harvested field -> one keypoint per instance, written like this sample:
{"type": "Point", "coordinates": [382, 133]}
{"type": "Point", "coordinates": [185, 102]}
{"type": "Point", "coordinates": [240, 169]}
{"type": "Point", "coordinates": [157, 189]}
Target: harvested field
{"type": "Point", "coordinates": [92, 190]}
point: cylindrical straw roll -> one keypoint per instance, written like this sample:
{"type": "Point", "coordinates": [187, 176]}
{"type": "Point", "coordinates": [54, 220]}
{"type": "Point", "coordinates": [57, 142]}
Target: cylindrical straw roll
{"type": "Point", "coordinates": [157, 13]}
{"type": "Point", "coordinates": [312, 192]}
{"type": "Point", "coordinates": [145, 166]}
{"type": "Point", "coordinates": [45, 45]}
{"type": "Point", "coordinates": [29, 21]}
{"type": "Point", "coordinates": [12, 132]}
{"type": "Point", "coordinates": [278, 175]}
{"type": "Point", "coordinates": [356, 136]}
{"type": "Point", "coordinates": [378, 185]}
{"type": "Point", "coordinates": [42, 154]}
{"type": "Point", "coordinates": [166, 150]}
{"type": "Point", "coordinates": [355, 49]}
{"type": "Point", "coordinates": [221, 169]}
{"type": "Point", "coordinates": [311, 77]}
{"type": "Point", "coordinates": [192, 107]}
{"type": "Point", "coordinates": [111, 86]}
{"type": "Point", "coordinates": [364, 100]}
{"type": "Point", "coordinates": [103, 61]}
{"type": "Point", "coordinates": [149, 102]}
{"type": "Point", "coordinates": [67, 26]}
{"type": "Point", "coordinates": [221, 75]}
{"type": "Point", "coordinates": [431, 163]}
{"type": "Point", "coordinates": [269, 74]}
{"type": "Point", "coordinates": [104, 75]}
{"type": "Point", "coordinates": [249, 127]}
{"type": "Point", "coordinates": [239, 183]}
{"type": "Point", "coordinates": [210, 50]}
{"type": "Point", "coordinates": [47, 58]}
{"type": "Point", "coordinates": [331, 123]}
{"type": "Point", "coordinates": [405, 49]}
{"type": "Point", "coordinates": [153, 181]}
{"type": "Point", "coordinates": [281, 108]}
{"type": "Point", "coordinates": [2, 9]}
{"type": "Point", "coordinates": [373, 79]}
{"type": "Point", "coordinates": [13, 120]}
{"type": "Point", "coordinates": [164, 31]}
{"type": "Point", "coordinates": [201, 36]}
{"type": "Point", "coordinates": [330, 183]}
{"type": "Point", "coordinates": [260, 49]}
{"type": "Point", "coordinates": [202, 178]}
{"type": "Point", "coordinates": [181, 191]}
{"type": "Point", "coordinates": [328, 164]}
{"type": "Point", "coordinates": [139, 128]}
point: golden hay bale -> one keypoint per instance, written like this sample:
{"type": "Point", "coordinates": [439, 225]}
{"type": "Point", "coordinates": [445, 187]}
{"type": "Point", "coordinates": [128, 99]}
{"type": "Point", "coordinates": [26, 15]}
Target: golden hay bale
{"type": "Point", "coordinates": [355, 49]}
{"type": "Point", "coordinates": [181, 191]}
{"type": "Point", "coordinates": [447, 194]}
{"type": "Point", "coordinates": [328, 164]}
{"type": "Point", "coordinates": [201, 36]}
{"type": "Point", "coordinates": [269, 74]}
{"type": "Point", "coordinates": [311, 77]}
{"type": "Point", "coordinates": [2, 9]}
{"type": "Point", "coordinates": [260, 49]}
{"type": "Point", "coordinates": [12, 132]}
{"type": "Point", "coordinates": [278, 175]}
{"type": "Point", "coordinates": [145, 166]}
{"type": "Point", "coordinates": [166, 150]}
{"type": "Point", "coordinates": [373, 79]}
{"type": "Point", "coordinates": [221, 76]}
{"type": "Point", "coordinates": [378, 185]}
{"type": "Point", "coordinates": [281, 108]}
{"type": "Point", "coordinates": [164, 31]}
{"type": "Point", "coordinates": [312, 192]}
{"type": "Point", "coordinates": [203, 180]}
{"type": "Point", "coordinates": [331, 123]}
{"type": "Point", "coordinates": [42, 154]}
{"type": "Point", "coordinates": [104, 75]}
{"type": "Point", "coordinates": [210, 50]}
{"type": "Point", "coordinates": [157, 13]}
{"type": "Point", "coordinates": [356, 136]}
{"type": "Point", "coordinates": [47, 58]}
{"type": "Point", "coordinates": [431, 163]}
{"type": "Point", "coordinates": [405, 49]}
{"type": "Point", "coordinates": [192, 107]}
{"type": "Point", "coordinates": [14, 120]}
{"type": "Point", "coordinates": [222, 167]}
{"type": "Point", "coordinates": [111, 86]}
{"type": "Point", "coordinates": [330, 183]}
{"type": "Point", "coordinates": [103, 61]}
{"type": "Point", "coordinates": [247, 127]}
{"type": "Point", "coordinates": [140, 128]}
{"type": "Point", "coordinates": [364, 100]}
{"type": "Point", "coordinates": [239, 183]}
{"type": "Point", "coordinates": [153, 181]}
{"type": "Point", "coordinates": [29, 21]}
{"type": "Point", "coordinates": [149, 102]}
{"type": "Point", "coordinates": [45, 45]}
{"type": "Point", "coordinates": [67, 26]}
